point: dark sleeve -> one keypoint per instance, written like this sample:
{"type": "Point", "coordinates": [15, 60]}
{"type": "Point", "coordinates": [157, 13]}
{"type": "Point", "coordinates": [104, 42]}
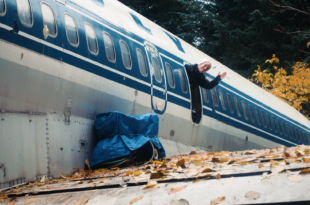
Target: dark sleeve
{"type": "Point", "coordinates": [209, 85]}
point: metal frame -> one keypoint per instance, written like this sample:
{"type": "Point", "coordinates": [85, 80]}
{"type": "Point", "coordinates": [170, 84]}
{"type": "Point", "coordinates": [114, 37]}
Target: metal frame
{"type": "Point", "coordinates": [95, 54]}
{"type": "Point", "coordinates": [161, 75]}
{"type": "Point", "coordinates": [77, 30]}
{"type": "Point", "coordinates": [43, 2]}
{"type": "Point", "coordinates": [121, 41]}
{"type": "Point", "coordinates": [3, 14]}
{"type": "Point", "coordinates": [147, 71]}
{"type": "Point", "coordinates": [173, 87]}
{"type": "Point", "coordinates": [26, 25]}
{"type": "Point", "coordinates": [103, 33]}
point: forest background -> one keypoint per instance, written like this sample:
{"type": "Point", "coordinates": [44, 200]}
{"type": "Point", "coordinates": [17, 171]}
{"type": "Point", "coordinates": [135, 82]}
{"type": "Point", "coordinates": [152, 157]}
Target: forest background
{"type": "Point", "coordinates": [242, 34]}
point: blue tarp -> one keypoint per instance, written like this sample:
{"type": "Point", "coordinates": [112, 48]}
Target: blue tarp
{"type": "Point", "coordinates": [121, 134]}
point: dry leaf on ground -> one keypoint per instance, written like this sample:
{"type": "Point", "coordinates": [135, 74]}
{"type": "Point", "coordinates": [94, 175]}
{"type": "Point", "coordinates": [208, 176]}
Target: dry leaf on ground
{"type": "Point", "coordinates": [137, 173]}
{"type": "Point", "coordinates": [252, 195]}
{"type": "Point", "coordinates": [136, 199]}
{"type": "Point", "coordinates": [277, 169]}
{"type": "Point", "coordinates": [206, 170]}
{"type": "Point", "coordinates": [192, 152]}
{"type": "Point", "coordinates": [218, 200]}
{"type": "Point", "coordinates": [307, 160]}
{"type": "Point", "coordinates": [87, 163]}
{"type": "Point", "coordinates": [175, 190]}
{"type": "Point", "coordinates": [3, 196]}
{"type": "Point", "coordinates": [179, 202]}
{"type": "Point", "coordinates": [197, 163]}
{"type": "Point", "coordinates": [224, 160]}
{"type": "Point", "coordinates": [31, 200]}
{"type": "Point", "coordinates": [218, 176]}
{"type": "Point", "coordinates": [228, 181]}
{"type": "Point", "coordinates": [11, 203]}
{"type": "Point", "coordinates": [62, 176]}
{"type": "Point", "coordinates": [295, 178]}
{"type": "Point", "coordinates": [156, 175]}
{"type": "Point", "coordinates": [304, 171]}
{"type": "Point", "coordinates": [150, 184]}
{"type": "Point", "coordinates": [43, 179]}
{"type": "Point", "coordinates": [82, 202]}
{"type": "Point", "coordinates": [267, 181]}
{"type": "Point", "coordinates": [181, 163]}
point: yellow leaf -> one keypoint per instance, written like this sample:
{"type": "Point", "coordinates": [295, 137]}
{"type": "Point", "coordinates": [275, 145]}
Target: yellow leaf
{"type": "Point", "coordinates": [223, 160]}
{"type": "Point", "coordinates": [11, 203]}
{"type": "Point", "coordinates": [181, 163]}
{"type": "Point", "coordinates": [175, 190]}
{"type": "Point", "coordinates": [3, 196]}
{"type": "Point", "coordinates": [136, 199]}
{"type": "Point", "coordinates": [206, 170]}
{"type": "Point", "coordinates": [87, 163]}
{"type": "Point", "coordinates": [197, 163]}
{"type": "Point", "coordinates": [218, 176]}
{"type": "Point", "coordinates": [62, 176]}
{"type": "Point", "coordinates": [218, 200]}
{"type": "Point", "coordinates": [82, 202]}
{"type": "Point", "coordinates": [307, 160]}
{"type": "Point", "coordinates": [276, 156]}
{"type": "Point", "coordinates": [150, 184]}
{"type": "Point", "coordinates": [31, 200]}
{"type": "Point", "coordinates": [308, 44]}
{"type": "Point", "coordinates": [304, 171]}
{"type": "Point", "coordinates": [260, 165]}
{"type": "Point", "coordinates": [137, 173]}
{"type": "Point", "coordinates": [156, 175]}
{"type": "Point", "coordinates": [156, 162]}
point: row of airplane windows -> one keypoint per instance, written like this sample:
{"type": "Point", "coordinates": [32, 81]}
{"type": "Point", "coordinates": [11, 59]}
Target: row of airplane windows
{"type": "Point", "coordinates": [301, 136]}
{"type": "Point", "coordinates": [25, 15]}
{"type": "Point", "coordinates": [26, 18]}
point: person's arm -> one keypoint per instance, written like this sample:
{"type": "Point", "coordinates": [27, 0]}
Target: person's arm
{"type": "Point", "coordinates": [209, 85]}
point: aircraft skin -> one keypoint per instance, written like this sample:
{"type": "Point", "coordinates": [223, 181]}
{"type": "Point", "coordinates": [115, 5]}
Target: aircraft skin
{"type": "Point", "coordinates": [51, 89]}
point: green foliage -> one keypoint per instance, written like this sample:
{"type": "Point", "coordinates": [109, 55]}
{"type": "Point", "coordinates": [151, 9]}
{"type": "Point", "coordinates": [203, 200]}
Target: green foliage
{"type": "Point", "coordinates": [239, 33]}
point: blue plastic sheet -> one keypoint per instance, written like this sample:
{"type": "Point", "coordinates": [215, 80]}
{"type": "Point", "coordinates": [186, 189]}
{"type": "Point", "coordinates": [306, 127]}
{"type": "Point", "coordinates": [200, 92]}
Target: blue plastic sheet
{"type": "Point", "coordinates": [121, 134]}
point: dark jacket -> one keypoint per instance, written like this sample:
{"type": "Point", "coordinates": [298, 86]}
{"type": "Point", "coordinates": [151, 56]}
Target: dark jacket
{"type": "Point", "coordinates": [198, 79]}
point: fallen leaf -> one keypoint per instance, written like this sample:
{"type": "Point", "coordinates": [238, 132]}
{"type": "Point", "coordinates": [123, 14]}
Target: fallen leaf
{"type": "Point", "coordinates": [11, 203]}
{"type": "Point", "coordinates": [304, 171]}
{"type": "Point", "coordinates": [35, 192]}
{"type": "Point", "coordinates": [287, 154]}
{"type": "Point", "coordinates": [31, 200]}
{"type": "Point", "coordinates": [175, 190]}
{"type": "Point", "coordinates": [90, 181]}
{"type": "Point", "coordinates": [266, 181]}
{"type": "Point", "coordinates": [62, 176]}
{"type": "Point", "coordinates": [276, 156]}
{"type": "Point", "coordinates": [3, 195]}
{"type": "Point", "coordinates": [260, 165]}
{"type": "Point", "coordinates": [218, 200]}
{"type": "Point", "coordinates": [136, 199]}
{"type": "Point", "coordinates": [157, 175]}
{"type": "Point", "coordinates": [192, 153]}
{"type": "Point", "coordinates": [137, 173]}
{"type": "Point", "coordinates": [252, 195]}
{"type": "Point", "coordinates": [82, 202]}
{"type": "Point", "coordinates": [307, 160]}
{"type": "Point", "coordinates": [43, 179]}
{"type": "Point", "coordinates": [214, 159]}
{"type": "Point", "coordinates": [179, 202]}
{"type": "Point", "coordinates": [218, 176]}
{"type": "Point", "coordinates": [206, 170]}
{"type": "Point", "coordinates": [150, 184]}
{"type": "Point", "coordinates": [156, 162]}
{"type": "Point", "coordinates": [79, 182]}
{"type": "Point", "coordinates": [228, 181]}
{"type": "Point", "coordinates": [197, 180]}
{"type": "Point", "coordinates": [295, 178]}
{"type": "Point", "coordinates": [276, 170]}
{"type": "Point", "coordinates": [87, 163]}
{"type": "Point", "coordinates": [197, 163]}
{"type": "Point", "coordinates": [181, 163]}
{"type": "Point", "coordinates": [223, 160]}
{"type": "Point", "coordinates": [292, 173]}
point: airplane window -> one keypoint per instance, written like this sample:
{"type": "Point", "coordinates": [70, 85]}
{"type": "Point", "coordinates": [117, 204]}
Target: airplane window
{"type": "Point", "coordinates": [244, 110]}
{"type": "Point", "coordinates": [306, 141]}
{"type": "Point", "coordinates": [257, 116]}
{"type": "Point", "coordinates": [183, 81]}
{"type": "Point", "coordinates": [230, 103]}
{"type": "Point", "coordinates": [297, 134]}
{"type": "Point", "coordinates": [269, 121]}
{"type": "Point", "coordinates": [280, 128]}
{"type": "Point", "coordinates": [288, 130]}
{"type": "Point", "coordinates": [109, 47]}
{"type": "Point", "coordinates": [2, 7]}
{"type": "Point", "coordinates": [170, 75]}
{"type": "Point", "coordinates": [284, 128]}
{"type": "Point", "coordinates": [293, 133]}
{"type": "Point", "coordinates": [214, 97]}
{"type": "Point", "coordinates": [251, 113]}
{"type": "Point", "coordinates": [24, 12]}
{"type": "Point", "coordinates": [91, 39]}
{"type": "Point", "coordinates": [157, 71]}
{"type": "Point", "coordinates": [264, 119]}
{"type": "Point", "coordinates": [72, 31]}
{"type": "Point", "coordinates": [142, 63]}
{"type": "Point", "coordinates": [222, 99]}
{"type": "Point", "coordinates": [49, 19]}
{"type": "Point", "coordinates": [125, 55]}
{"type": "Point", "coordinates": [275, 124]}
{"type": "Point", "coordinates": [205, 95]}
{"type": "Point", "coordinates": [238, 107]}
{"type": "Point", "coordinates": [300, 136]}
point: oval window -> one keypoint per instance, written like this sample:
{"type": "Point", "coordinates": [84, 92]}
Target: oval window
{"type": "Point", "coordinates": [72, 31]}
{"type": "Point", "coordinates": [183, 81]}
{"type": "Point", "coordinates": [244, 110]}
{"type": "Point", "coordinates": [269, 121]}
{"type": "Point", "coordinates": [49, 19]}
{"type": "Point", "coordinates": [257, 116]}
{"type": "Point", "coordinates": [205, 95]}
{"type": "Point", "coordinates": [301, 137]}
{"type": "Point", "coordinates": [251, 113]}
{"type": "Point", "coordinates": [297, 134]}
{"type": "Point", "coordinates": [263, 118]}
{"type": "Point", "coordinates": [214, 97]}
{"type": "Point", "coordinates": [280, 127]}
{"type": "Point", "coordinates": [288, 130]}
{"type": "Point", "coordinates": [142, 63]}
{"type": "Point", "coordinates": [284, 128]}
{"type": "Point", "coordinates": [238, 107]}
{"type": "Point", "coordinates": [230, 103]}
{"type": "Point", "coordinates": [2, 7]}
{"type": "Point", "coordinates": [157, 71]}
{"type": "Point", "coordinates": [109, 47]}
{"type": "Point", "coordinates": [91, 39]}
{"type": "Point", "coordinates": [293, 132]}
{"type": "Point", "coordinates": [305, 137]}
{"type": "Point", "coordinates": [222, 99]}
{"type": "Point", "coordinates": [275, 124]}
{"type": "Point", "coordinates": [24, 12]}
{"type": "Point", "coordinates": [170, 75]}
{"type": "Point", "coordinates": [125, 55]}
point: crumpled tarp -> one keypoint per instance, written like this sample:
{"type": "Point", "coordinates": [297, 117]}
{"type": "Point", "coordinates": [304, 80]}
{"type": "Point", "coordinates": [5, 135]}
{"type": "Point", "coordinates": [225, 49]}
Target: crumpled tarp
{"type": "Point", "coordinates": [121, 134]}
